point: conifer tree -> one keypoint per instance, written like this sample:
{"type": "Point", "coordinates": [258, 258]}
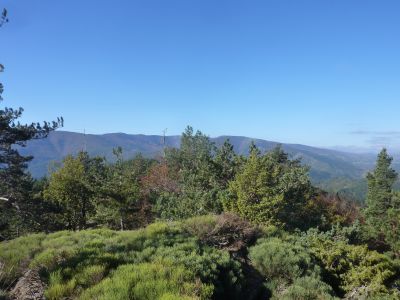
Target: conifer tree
{"type": "Point", "coordinates": [382, 204]}
{"type": "Point", "coordinates": [271, 189]}
{"type": "Point", "coordinates": [197, 178]}
{"type": "Point", "coordinates": [380, 189]}
{"type": "Point", "coordinates": [226, 162]}
{"type": "Point", "coordinates": [121, 191]}
{"type": "Point", "coordinates": [15, 183]}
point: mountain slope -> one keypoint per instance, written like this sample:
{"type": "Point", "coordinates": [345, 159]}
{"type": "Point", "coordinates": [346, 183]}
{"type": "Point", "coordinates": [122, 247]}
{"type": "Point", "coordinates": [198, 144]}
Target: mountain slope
{"type": "Point", "coordinates": [325, 164]}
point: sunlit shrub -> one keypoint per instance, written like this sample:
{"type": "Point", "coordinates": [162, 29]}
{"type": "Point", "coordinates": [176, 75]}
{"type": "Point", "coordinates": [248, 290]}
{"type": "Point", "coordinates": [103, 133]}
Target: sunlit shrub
{"type": "Point", "coordinates": [72, 263]}
{"type": "Point", "coordinates": [281, 261]}
{"type": "Point", "coordinates": [15, 255]}
{"type": "Point", "coordinates": [306, 288]}
{"type": "Point", "coordinates": [148, 281]}
{"type": "Point", "coordinates": [349, 267]}
{"type": "Point", "coordinates": [58, 291]}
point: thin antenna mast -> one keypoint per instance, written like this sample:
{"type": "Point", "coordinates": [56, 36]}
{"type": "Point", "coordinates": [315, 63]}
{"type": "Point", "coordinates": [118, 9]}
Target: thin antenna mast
{"type": "Point", "coordinates": [163, 141]}
{"type": "Point", "coordinates": [84, 140]}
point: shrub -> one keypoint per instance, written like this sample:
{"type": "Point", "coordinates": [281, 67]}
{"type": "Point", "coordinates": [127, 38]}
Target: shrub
{"type": "Point", "coordinates": [226, 231]}
{"type": "Point", "coordinates": [72, 263]}
{"type": "Point", "coordinates": [350, 267]}
{"type": "Point", "coordinates": [60, 290]}
{"type": "Point", "coordinates": [200, 226]}
{"type": "Point", "coordinates": [307, 288]}
{"type": "Point", "coordinates": [91, 275]}
{"type": "Point", "coordinates": [148, 281]}
{"type": "Point", "coordinates": [281, 261]}
{"type": "Point", "coordinates": [15, 256]}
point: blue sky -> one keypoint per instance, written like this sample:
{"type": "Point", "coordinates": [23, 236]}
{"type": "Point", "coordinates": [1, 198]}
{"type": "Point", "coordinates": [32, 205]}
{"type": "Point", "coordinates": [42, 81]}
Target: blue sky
{"type": "Point", "coordinates": [322, 73]}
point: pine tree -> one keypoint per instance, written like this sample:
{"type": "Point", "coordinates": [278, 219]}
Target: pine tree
{"type": "Point", "coordinates": [271, 189]}
{"type": "Point", "coordinates": [15, 183]}
{"type": "Point", "coordinates": [227, 163]}
{"type": "Point", "coordinates": [123, 206]}
{"type": "Point", "coordinates": [197, 178]}
{"type": "Point", "coordinates": [383, 205]}
{"type": "Point", "coordinates": [380, 190]}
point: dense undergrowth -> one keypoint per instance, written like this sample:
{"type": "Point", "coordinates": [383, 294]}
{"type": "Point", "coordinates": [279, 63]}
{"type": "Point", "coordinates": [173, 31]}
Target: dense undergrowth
{"type": "Point", "coordinates": [208, 257]}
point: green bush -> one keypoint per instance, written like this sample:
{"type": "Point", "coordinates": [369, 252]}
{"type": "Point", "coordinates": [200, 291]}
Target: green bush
{"type": "Point", "coordinates": [352, 268]}
{"type": "Point", "coordinates": [15, 255]}
{"type": "Point", "coordinates": [72, 263]}
{"type": "Point", "coordinates": [148, 281]}
{"type": "Point", "coordinates": [200, 226]}
{"type": "Point", "coordinates": [289, 269]}
{"type": "Point", "coordinates": [61, 290]}
{"type": "Point", "coordinates": [307, 288]}
{"type": "Point", "coordinates": [281, 261]}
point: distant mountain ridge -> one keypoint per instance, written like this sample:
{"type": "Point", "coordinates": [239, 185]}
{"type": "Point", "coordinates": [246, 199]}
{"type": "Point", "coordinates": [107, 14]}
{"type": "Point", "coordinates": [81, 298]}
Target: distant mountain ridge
{"type": "Point", "coordinates": [324, 164]}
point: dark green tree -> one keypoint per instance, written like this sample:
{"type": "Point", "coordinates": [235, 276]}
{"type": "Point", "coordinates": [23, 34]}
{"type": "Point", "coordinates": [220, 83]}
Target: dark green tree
{"type": "Point", "coordinates": [382, 204]}
{"type": "Point", "coordinates": [15, 183]}
{"type": "Point", "coordinates": [227, 164]}
{"type": "Point", "coordinates": [197, 178]}
{"type": "Point", "coordinates": [380, 189]}
{"type": "Point", "coordinates": [121, 201]}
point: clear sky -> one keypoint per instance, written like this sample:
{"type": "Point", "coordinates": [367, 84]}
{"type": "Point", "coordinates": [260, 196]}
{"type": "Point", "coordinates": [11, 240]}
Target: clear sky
{"type": "Point", "coordinates": [321, 72]}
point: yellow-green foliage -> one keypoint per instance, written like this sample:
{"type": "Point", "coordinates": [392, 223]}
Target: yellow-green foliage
{"type": "Point", "coordinates": [200, 226]}
{"type": "Point", "coordinates": [271, 189]}
{"type": "Point", "coordinates": [281, 261]}
{"type": "Point", "coordinates": [60, 290]}
{"type": "Point", "coordinates": [166, 262]}
{"type": "Point", "coordinates": [157, 280]}
{"type": "Point", "coordinates": [16, 254]}
{"type": "Point", "coordinates": [289, 270]}
{"type": "Point", "coordinates": [353, 266]}
{"type": "Point", "coordinates": [306, 288]}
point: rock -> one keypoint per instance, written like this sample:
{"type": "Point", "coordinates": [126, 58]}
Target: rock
{"type": "Point", "coordinates": [28, 287]}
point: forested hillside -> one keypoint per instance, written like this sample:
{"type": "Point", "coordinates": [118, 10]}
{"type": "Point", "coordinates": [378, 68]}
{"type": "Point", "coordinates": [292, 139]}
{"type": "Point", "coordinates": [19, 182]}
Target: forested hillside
{"type": "Point", "coordinates": [331, 170]}
{"type": "Point", "coordinates": [324, 163]}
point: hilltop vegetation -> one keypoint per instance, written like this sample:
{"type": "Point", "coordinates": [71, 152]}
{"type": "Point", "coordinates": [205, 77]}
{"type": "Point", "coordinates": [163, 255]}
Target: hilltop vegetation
{"type": "Point", "coordinates": [196, 179]}
{"type": "Point", "coordinates": [194, 259]}
{"type": "Point", "coordinates": [331, 170]}
{"type": "Point", "coordinates": [200, 222]}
